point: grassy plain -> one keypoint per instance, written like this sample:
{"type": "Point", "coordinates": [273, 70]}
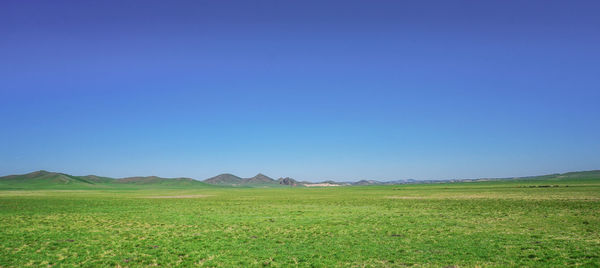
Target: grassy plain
{"type": "Point", "coordinates": [498, 223]}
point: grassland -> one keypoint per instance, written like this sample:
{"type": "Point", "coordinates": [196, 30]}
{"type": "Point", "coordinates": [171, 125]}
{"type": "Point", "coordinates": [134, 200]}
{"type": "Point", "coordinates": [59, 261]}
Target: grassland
{"type": "Point", "coordinates": [538, 222]}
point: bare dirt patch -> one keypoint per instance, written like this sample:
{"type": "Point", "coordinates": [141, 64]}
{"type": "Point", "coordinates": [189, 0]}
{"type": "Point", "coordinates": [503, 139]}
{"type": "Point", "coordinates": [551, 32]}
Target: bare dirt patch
{"type": "Point", "coordinates": [321, 185]}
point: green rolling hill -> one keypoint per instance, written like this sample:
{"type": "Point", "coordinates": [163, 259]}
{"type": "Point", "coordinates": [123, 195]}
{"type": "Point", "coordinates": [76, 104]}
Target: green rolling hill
{"type": "Point", "coordinates": [260, 180]}
{"type": "Point", "coordinates": [225, 179]}
{"type": "Point", "coordinates": [53, 180]}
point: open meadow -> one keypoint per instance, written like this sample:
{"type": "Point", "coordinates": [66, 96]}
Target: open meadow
{"type": "Point", "coordinates": [497, 223]}
{"type": "Point", "coordinates": [198, 133]}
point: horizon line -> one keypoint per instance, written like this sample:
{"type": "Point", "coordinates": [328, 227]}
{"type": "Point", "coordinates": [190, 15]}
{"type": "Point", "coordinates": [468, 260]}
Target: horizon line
{"type": "Point", "coordinates": [316, 181]}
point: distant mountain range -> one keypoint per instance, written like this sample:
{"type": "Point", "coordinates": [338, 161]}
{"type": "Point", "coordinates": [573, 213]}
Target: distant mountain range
{"type": "Point", "coordinates": [46, 179]}
{"type": "Point", "coordinates": [258, 180]}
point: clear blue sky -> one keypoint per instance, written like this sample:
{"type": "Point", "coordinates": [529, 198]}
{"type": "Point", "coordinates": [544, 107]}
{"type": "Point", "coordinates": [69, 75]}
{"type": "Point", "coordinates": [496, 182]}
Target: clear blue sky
{"type": "Point", "coordinates": [314, 90]}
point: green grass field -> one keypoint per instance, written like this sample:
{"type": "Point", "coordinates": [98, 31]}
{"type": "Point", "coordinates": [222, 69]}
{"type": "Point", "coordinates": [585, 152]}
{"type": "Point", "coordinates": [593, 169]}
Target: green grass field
{"type": "Point", "coordinates": [499, 223]}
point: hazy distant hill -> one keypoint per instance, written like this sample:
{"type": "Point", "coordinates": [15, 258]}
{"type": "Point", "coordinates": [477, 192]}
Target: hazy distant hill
{"type": "Point", "coordinates": [45, 179]}
{"type": "Point", "coordinates": [53, 180]}
{"type": "Point", "coordinates": [232, 180]}
{"type": "Point", "coordinates": [259, 178]}
{"type": "Point", "coordinates": [569, 176]}
{"type": "Point", "coordinates": [367, 182]}
{"type": "Point", "coordinates": [153, 180]}
{"type": "Point", "coordinates": [288, 181]}
{"type": "Point", "coordinates": [97, 179]}
{"type": "Point", "coordinates": [225, 179]}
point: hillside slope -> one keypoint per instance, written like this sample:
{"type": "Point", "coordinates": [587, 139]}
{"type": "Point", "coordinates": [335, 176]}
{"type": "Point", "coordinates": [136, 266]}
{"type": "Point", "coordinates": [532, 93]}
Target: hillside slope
{"type": "Point", "coordinates": [53, 180]}
{"type": "Point", "coordinates": [46, 179]}
{"type": "Point", "coordinates": [225, 179]}
{"type": "Point", "coordinates": [260, 179]}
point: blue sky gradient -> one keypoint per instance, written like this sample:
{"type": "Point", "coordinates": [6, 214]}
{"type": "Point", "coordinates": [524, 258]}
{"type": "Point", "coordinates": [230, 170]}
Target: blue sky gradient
{"type": "Point", "coordinates": [314, 90]}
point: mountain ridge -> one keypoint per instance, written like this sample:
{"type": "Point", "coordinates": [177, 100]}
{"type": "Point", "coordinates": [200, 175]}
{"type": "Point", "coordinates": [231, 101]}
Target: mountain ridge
{"type": "Point", "coordinates": [47, 179]}
{"type": "Point", "coordinates": [224, 179]}
{"type": "Point", "coordinates": [233, 180]}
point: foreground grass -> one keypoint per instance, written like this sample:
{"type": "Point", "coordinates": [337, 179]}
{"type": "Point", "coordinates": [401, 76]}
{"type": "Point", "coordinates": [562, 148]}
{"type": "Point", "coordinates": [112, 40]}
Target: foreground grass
{"type": "Point", "coordinates": [466, 224]}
